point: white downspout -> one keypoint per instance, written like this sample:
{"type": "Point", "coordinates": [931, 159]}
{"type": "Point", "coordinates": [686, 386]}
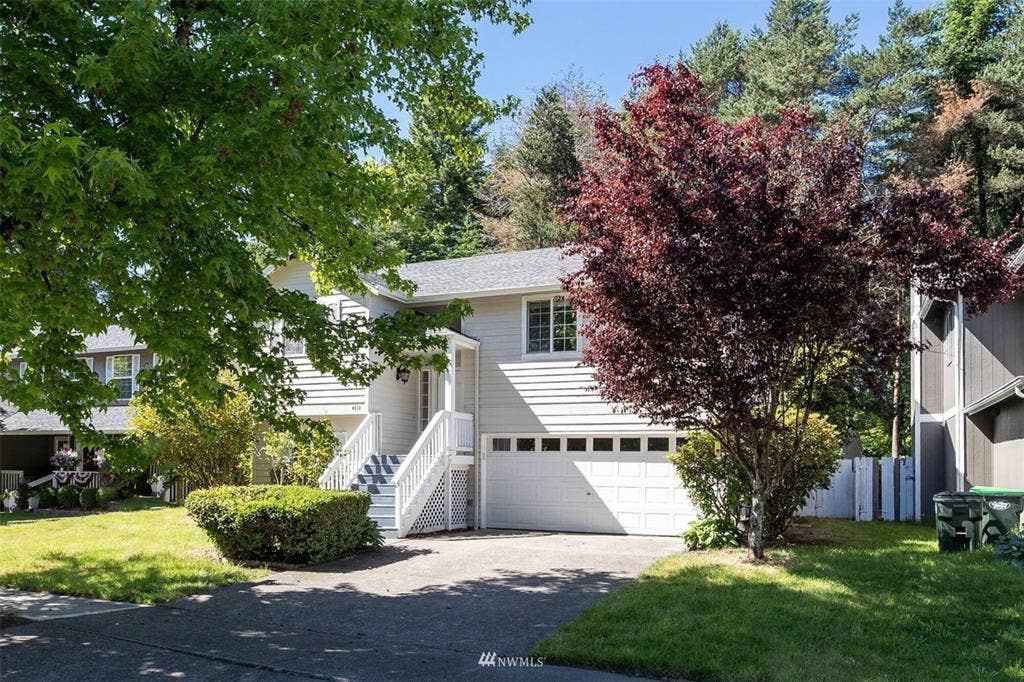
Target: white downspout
{"type": "Point", "coordinates": [477, 517]}
{"type": "Point", "coordinates": [915, 398]}
{"type": "Point", "coordinates": [961, 422]}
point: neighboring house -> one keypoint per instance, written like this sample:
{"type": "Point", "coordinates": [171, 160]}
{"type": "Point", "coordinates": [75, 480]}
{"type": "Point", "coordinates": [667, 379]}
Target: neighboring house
{"type": "Point", "coordinates": [512, 435]}
{"type": "Point", "coordinates": [28, 440]}
{"type": "Point", "coordinates": [967, 396]}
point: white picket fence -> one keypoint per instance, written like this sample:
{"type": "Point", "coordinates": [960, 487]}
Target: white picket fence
{"type": "Point", "coordinates": [865, 489]}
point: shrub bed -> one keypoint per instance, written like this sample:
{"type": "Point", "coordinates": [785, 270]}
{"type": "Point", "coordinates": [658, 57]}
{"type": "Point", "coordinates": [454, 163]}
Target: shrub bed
{"type": "Point", "coordinates": [67, 497]}
{"type": "Point", "coordinates": [281, 523]}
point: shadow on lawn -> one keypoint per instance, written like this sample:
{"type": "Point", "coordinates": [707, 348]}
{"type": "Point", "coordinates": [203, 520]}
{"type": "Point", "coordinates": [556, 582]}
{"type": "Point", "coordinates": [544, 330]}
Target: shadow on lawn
{"type": "Point", "coordinates": [900, 611]}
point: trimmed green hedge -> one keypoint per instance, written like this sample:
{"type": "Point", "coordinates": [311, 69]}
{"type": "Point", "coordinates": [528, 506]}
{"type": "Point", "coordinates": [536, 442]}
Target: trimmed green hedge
{"type": "Point", "coordinates": [281, 523]}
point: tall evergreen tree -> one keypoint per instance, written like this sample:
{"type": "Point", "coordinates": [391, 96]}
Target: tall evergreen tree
{"type": "Point", "coordinates": [796, 59]}
{"type": "Point", "coordinates": [1003, 122]}
{"type": "Point", "coordinates": [969, 34]}
{"type": "Point", "coordinates": [535, 175]}
{"type": "Point", "coordinates": [444, 171]}
{"type": "Point", "coordinates": [894, 92]}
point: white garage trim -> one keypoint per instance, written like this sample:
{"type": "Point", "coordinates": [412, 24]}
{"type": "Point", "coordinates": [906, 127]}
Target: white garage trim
{"type": "Point", "coordinates": [601, 483]}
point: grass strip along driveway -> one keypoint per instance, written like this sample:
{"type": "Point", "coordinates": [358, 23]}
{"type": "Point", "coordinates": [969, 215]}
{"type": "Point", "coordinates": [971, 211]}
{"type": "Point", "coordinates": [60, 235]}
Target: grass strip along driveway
{"type": "Point", "coordinates": [843, 600]}
{"type": "Point", "coordinates": [144, 556]}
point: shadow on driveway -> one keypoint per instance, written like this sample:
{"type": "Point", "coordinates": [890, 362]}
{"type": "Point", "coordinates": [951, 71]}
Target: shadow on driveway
{"type": "Point", "coordinates": [420, 608]}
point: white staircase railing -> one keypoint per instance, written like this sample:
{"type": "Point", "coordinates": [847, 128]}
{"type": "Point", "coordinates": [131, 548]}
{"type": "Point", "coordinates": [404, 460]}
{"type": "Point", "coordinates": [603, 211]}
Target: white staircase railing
{"type": "Point", "coordinates": [464, 434]}
{"type": "Point", "coordinates": [420, 471]}
{"type": "Point", "coordinates": [353, 455]}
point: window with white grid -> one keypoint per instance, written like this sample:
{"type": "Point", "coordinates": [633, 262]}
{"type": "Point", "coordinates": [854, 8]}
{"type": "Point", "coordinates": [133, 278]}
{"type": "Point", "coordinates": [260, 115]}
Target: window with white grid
{"type": "Point", "coordinates": [551, 326]}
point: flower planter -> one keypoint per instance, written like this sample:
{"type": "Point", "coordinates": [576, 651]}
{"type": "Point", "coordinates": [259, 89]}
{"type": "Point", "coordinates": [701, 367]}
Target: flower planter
{"type": "Point", "coordinates": [33, 502]}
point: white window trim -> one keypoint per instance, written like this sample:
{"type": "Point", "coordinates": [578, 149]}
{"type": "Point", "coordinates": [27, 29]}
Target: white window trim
{"type": "Point", "coordinates": [21, 369]}
{"type": "Point", "coordinates": [552, 354]}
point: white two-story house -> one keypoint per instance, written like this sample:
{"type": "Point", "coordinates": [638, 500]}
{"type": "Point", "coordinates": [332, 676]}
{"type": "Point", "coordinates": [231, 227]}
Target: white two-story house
{"type": "Point", "coordinates": [513, 434]}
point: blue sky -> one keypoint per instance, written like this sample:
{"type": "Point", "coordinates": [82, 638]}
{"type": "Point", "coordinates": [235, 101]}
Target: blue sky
{"type": "Point", "coordinates": [605, 41]}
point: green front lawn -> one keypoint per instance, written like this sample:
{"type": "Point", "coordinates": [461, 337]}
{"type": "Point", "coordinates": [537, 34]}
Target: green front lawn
{"type": "Point", "coordinates": [844, 601]}
{"type": "Point", "coordinates": [137, 556]}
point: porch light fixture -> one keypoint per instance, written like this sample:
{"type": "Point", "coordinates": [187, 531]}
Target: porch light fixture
{"type": "Point", "coordinates": [402, 374]}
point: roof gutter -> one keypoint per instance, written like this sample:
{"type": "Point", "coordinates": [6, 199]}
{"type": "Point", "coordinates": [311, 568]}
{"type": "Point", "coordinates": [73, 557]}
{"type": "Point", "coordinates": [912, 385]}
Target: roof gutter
{"type": "Point", "coordinates": [1014, 387]}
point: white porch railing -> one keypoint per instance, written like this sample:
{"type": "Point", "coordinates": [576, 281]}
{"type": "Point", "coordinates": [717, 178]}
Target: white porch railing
{"type": "Point", "coordinates": [464, 435]}
{"type": "Point", "coordinates": [79, 479]}
{"type": "Point", "coordinates": [10, 479]}
{"type": "Point", "coordinates": [420, 471]}
{"type": "Point", "coordinates": [353, 454]}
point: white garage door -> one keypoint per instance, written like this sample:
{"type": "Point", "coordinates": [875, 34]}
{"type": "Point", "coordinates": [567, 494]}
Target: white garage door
{"type": "Point", "coordinates": [595, 484]}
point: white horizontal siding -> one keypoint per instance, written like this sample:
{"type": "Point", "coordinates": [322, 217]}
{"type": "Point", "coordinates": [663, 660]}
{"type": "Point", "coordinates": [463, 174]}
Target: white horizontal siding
{"type": "Point", "coordinates": [395, 401]}
{"type": "Point", "coordinates": [325, 395]}
{"type": "Point", "coordinates": [530, 393]}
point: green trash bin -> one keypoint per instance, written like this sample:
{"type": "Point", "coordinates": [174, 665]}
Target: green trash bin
{"type": "Point", "coordinates": [1002, 510]}
{"type": "Point", "coordinates": [958, 521]}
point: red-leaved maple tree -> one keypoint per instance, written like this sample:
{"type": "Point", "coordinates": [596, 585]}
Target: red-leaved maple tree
{"type": "Point", "coordinates": [733, 271]}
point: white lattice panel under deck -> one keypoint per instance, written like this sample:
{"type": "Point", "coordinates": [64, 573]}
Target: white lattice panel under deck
{"type": "Point", "coordinates": [460, 497]}
{"type": "Point", "coordinates": [433, 517]}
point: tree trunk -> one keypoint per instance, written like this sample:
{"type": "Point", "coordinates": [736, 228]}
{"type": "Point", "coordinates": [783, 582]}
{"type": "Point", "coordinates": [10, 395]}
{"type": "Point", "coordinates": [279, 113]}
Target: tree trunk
{"type": "Point", "coordinates": [755, 530]}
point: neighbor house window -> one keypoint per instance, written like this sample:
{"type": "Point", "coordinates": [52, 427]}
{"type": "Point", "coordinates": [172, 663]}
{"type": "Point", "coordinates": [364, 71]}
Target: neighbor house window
{"type": "Point", "coordinates": [122, 370]}
{"type": "Point", "coordinates": [551, 326]}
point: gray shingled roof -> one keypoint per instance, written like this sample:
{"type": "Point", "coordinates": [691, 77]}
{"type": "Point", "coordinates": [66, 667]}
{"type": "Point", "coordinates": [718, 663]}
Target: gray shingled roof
{"type": "Point", "coordinates": [495, 272]}
{"type": "Point", "coordinates": [114, 337]}
{"type": "Point", "coordinates": [114, 420]}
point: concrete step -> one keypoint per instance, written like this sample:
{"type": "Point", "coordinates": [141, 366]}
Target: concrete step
{"type": "Point", "coordinates": [374, 479]}
{"type": "Point", "coordinates": [393, 460]}
{"type": "Point", "coordinates": [382, 504]}
{"type": "Point", "coordinates": [378, 470]}
{"type": "Point", "coordinates": [375, 488]}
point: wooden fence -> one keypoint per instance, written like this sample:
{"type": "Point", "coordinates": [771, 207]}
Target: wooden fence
{"type": "Point", "coordinates": [865, 489]}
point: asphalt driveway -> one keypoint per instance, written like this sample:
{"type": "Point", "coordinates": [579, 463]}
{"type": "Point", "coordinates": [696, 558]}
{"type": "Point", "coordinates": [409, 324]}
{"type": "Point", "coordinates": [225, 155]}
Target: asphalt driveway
{"type": "Point", "coordinates": [423, 608]}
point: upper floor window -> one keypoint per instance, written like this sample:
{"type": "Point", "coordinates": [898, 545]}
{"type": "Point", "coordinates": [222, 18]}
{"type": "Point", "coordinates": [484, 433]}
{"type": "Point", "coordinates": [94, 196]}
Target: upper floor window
{"type": "Point", "coordinates": [551, 326]}
{"type": "Point", "coordinates": [293, 346]}
{"type": "Point", "coordinates": [122, 369]}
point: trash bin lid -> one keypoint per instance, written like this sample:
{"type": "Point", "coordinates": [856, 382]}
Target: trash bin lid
{"type": "Point", "coordinates": [949, 495]}
{"type": "Point", "coordinates": [993, 490]}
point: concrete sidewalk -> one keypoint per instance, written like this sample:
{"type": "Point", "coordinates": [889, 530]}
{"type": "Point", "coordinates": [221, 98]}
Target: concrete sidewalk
{"type": "Point", "coordinates": [425, 608]}
{"type": "Point", "coordinates": [46, 606]}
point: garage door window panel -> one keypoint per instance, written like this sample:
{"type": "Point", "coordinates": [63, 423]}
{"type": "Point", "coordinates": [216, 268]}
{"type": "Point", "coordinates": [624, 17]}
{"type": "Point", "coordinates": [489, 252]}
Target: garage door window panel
{"type": "Point", "coordinates": [576, 444]}
{"type": "Point", "coordinates": [526, 444]}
